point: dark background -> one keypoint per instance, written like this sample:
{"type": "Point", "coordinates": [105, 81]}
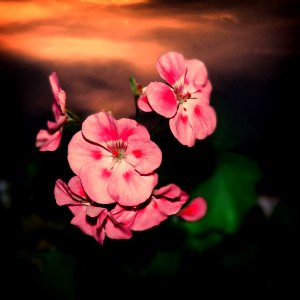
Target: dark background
{"type": "Point", "coordinates": [42, 255]}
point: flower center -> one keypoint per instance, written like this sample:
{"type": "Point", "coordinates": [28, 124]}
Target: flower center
{"type": "Point", "coordinates": [181, 97]}
{"type": "Point", "coordinates": [117, 149]}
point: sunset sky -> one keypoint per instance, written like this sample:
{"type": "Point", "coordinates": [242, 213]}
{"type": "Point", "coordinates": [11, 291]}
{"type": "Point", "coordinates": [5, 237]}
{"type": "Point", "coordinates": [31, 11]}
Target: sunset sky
{"type": "Point", "coordinates": [247, 46]}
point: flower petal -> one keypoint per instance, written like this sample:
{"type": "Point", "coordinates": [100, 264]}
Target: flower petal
{"type": "Point", "coordinates": [47, 141]}
{"type": "Point", "coordinates": [95, 179]}
{"type": "Point", "coordinates": [76, 187]}
{"type": "Point", "coordinates": [145, 156]}
{"type": "Point", "coordinates": [144, 104]}
{"type": "Point", "coordinates": [117, 232]}
{"type": "Point", "coordinates": [81, 152]}
{"type": "Point", "coordinates": [63, 194]}
{"type": "Point", "coordinates": [162, 99]}
{"type": "Point", "coordinates": [148, 217]}
{"type": "Point", "coordinates": [100, 236]}
{"type": "Point", "coordinates": [170, 199]}
{"type": "Point", "coordinates": [54, 126]}
{"type": "Point", "coordinates": [203, 119]}
{"type": "Point", "coordinates": [196, 75]}
{"type": "Point", "coordinates": [194, 211]}
{"type": "Point", "coordinates": [100, 127]}
{"type": "Point", "coordinates": [128, 187]}
{"type": "Point", "coordinates": [181, 128]}
{"type": "Point", "coordinates": [94, 211]}
{"type": "Point", "coordinates": [80, 220]}
{"type": "Point", "coordinates": [130, 129]}
{"type": "Point", "coordinates": [58, 93]}
{"type": "Point", "coordinates": [123, 215]}
{"type": "Point", "coordinates": [171, 66]}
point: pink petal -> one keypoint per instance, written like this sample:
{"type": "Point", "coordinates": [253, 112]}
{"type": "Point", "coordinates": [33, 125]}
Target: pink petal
{"type": "Point", "coordinates": [81, 152]}
{"type": "Point", "coordinates": [62, 194]}
{"type": "Point", "coordinates": [171, 191]}
{"type": "Point", "coordinates": [130, 129]}
{"type": "Point", "coordinates": [181, 127]}
{"type": "Point", "coordinates": [128, 187]}
{"type": "Point", "coordinates": [196, 75]}
{"type": "Point", "coordinates": [123, 216]}
{"type": "Point", "coordinates": [76, 186]}
{"type": "Point", "coordinates": [55, 126]}
{"type": "Point", "coordinates": [94, 211]}
{"type": "Point", "coordinates": [58, 93]}
{"type": "Point", "coordinates": [100, 236]}
{"type": "Point", "coordinates": [148, 217]}
{"type": "Point", "coordinates": [56, 111]}
{"type": "Point", "coordinates": [202, 119]}
{"type": "Point", "coordinates": [194, 211]}
{"type": "Point", "coordinates": [170, 199]}
{"type": "Point", "coordinates": [80, 220]}
{"type": "Point", "coordinates": [162, 99]}
{"type": "Point", "coordinates": [143, 104]}
{"type": "Point", "coordinates": [171, 66]}
{"type": "Point", "coordinates": [144, 156]}
{"type": "Point", "coordinates": [46, 141]}
{"type": "Point", "coordinates": [95, 178]}
{"type": "Point", "coordinates": [53, 78]}
{"type": "Point", "coordinates": [117, 232]}
{"type": "Point", "coordinates": [100, 127]}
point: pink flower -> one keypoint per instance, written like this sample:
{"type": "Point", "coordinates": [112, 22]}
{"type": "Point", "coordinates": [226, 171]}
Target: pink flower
{"type": "Point", "coordinates": [164, 202]}
{"type": "Point", "coordinates": [92, 219]}
{"type": "Point", "coordinates": [115, 160]}
{"type": "Point", "coordinates": [49, 140]}
{"type": "Point", "coordinates": [184, 99]}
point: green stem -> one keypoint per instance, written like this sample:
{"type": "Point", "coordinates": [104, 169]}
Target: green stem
{"type": "Point", "coordinates": [136, 94]}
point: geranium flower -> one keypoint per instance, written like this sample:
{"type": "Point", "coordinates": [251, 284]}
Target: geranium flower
{"type": "Point", "coordinates": [49, 139]}
{"type": "Point", "coordinates": [184, 98]}
{"type": "Point", "coordinates": [115, 159]}
{"type": "Point", "coordinates": [164, 202]}
{"type": "Point", "coordinates": [92, 219]}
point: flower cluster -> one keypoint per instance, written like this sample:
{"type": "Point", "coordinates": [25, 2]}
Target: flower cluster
{"type": "Point", "coordinates": [115, 188]}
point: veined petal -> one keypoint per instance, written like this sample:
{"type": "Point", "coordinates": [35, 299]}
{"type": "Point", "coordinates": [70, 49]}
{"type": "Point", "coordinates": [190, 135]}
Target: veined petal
{"type": "Point", "coordinates": [194, 211]}
{"type": "Point", "coordinates": [76, 187]}
{"type": "Point", "coordinates": [100, 236]}
{"type": "Point", "coordinates": [47, 141]}
{"type": "Point", "coordinates": [123, 216]}
{"type": "Point", "coordinates": [128, 187]}
{"type": "Point", "coordinates": [144, 104]}
{"type": "Point", "coordinates": [202, 118]}
{"type": "Point", "coordinates": [181, 127]}
{"type": "Point", "coordinates": [53, 78]}
{"type": "Point", "coordinates": [54, 126]}
{"type": "Point", "coordinates": [148, 217]}
{"type": "Point", "coordinates": [56, 111]}
{"type": "Point", "coordinates": [117, 232]}
{"type": "Point", "coordinates": [80, 220]}
{"type": "Point", "coordinates": [169, 206]}
{"type": "Point", "coordinates": [94, 211]}
{"type": "Point", "coordinates": [145, 156]}
{"type": "Point", "coordinates": [58, 93]}
{"type": "Point", "coordinates": [171, 66]}
{"type": "Point", "coordinates": [95, 179]}
{"type": "Point", "coordinates": [162, 99]}
{"type": "Point", "coordinates": [81, 152]}
{"type": "Point", "coordinates": [171, 191]}
{"type": "Point", "coordinates": [62, 194]}
{"type": "Point", "coordinates": [196, 75]}
{"type": "Point", "coordinates": [100, 127]}
{"type": "Point", "coordinates": [129, 128]}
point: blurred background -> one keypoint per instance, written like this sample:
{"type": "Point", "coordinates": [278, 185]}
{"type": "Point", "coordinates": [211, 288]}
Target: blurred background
{"type": "Point", "coordinates": [247, 170]}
